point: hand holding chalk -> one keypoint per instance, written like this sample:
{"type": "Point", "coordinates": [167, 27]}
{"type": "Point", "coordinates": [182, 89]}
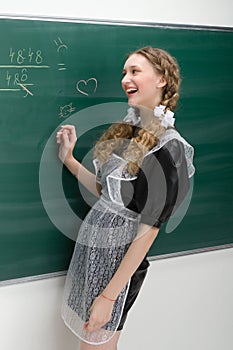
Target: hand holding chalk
{"type": "Point", "coordinates": [66, 138]}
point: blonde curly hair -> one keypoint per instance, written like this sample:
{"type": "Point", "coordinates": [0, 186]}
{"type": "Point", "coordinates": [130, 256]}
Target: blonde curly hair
{"type": "Point", "coordinates": [118, 135]}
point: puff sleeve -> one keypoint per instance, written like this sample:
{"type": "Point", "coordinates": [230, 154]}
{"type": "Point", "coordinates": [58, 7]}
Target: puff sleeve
{"type": "Point", "coordinates": [161, 185]}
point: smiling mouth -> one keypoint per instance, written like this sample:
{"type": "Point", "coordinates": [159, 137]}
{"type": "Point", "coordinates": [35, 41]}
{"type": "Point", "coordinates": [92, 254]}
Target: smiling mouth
{"type": "Point", "coordinates": [131, 91]}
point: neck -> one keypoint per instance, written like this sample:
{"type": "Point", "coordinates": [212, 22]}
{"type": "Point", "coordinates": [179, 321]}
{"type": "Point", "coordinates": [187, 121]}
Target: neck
{"type": "Point", "coordinates": [146, 113]}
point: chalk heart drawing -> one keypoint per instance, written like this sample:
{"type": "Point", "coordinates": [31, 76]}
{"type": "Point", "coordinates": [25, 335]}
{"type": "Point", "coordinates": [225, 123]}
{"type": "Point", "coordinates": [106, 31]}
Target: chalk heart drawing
{"type": "Point", "coordinates": [87, 87]}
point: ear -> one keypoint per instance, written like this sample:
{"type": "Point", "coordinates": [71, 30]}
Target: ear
{"type": "Point", "coordinates": [162, 82]}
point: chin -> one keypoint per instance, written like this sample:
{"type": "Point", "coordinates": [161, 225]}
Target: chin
{"type": "Point", "coordinates": [133, 103]}
{"type": "Point", "coordinates": [139, 105]}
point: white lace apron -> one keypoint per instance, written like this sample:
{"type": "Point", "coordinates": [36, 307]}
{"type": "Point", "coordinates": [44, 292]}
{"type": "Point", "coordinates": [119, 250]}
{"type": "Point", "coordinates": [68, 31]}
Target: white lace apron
{"type": "Point", "coordinates": [103, 239]}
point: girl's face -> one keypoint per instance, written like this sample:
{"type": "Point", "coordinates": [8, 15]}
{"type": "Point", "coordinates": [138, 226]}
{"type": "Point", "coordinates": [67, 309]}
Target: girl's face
{"type": "Point", "coordinates": [141, 83]}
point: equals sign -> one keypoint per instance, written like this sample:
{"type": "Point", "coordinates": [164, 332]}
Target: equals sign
{"type": "Point", "coordinates": [61, 66]}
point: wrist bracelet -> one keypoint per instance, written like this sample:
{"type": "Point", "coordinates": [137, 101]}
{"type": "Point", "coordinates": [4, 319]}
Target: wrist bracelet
{"type": "Point", "coordinates": [104, 296]}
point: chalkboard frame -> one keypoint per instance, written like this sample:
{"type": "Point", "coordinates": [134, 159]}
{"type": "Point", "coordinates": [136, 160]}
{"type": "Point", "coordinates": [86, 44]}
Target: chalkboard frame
{"type": "Point", "coordinates": [121, 23]}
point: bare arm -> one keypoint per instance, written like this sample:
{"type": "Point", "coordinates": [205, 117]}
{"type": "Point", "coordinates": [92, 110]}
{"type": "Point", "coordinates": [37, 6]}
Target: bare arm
{"type": "Point", "coordinates": [66, 138]}
{"type": "Point", "coordinates": [134, 256]}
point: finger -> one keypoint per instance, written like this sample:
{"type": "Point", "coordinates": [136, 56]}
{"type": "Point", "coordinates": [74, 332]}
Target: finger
{"type": "Point", "coordinates": [71, 130]}
{"type": "Point", "coordinates": [65, 137]}
{"type": "Point", "coordinates": [90, 327]}
{"type": "Point", "coordinates": [59, 137]}
{"type": "Point", "coordinates": [61, 132]}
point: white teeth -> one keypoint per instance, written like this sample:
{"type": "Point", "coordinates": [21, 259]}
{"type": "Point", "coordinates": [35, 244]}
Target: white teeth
{"type": "Point", "coordinates": [131, 90]}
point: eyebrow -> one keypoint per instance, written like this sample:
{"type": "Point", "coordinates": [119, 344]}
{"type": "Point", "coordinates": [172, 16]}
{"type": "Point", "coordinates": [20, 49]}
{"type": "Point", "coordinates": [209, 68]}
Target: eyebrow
{"type": "Point", "coordinates": [133, 66]}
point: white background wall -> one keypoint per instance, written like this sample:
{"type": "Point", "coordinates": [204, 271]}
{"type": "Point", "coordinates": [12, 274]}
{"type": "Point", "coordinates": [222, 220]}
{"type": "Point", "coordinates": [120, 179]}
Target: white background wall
{"type": "Point", "coordinates": [210, 12]}
{"type": "Point", "coordinates": [186, 302]}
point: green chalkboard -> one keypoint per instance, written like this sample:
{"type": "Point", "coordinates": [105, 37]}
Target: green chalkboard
{"type": "Point", "coordinates": [53, 72]}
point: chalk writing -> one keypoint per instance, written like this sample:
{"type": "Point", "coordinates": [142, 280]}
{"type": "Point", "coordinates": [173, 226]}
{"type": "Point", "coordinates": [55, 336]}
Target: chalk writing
{"type": "Point", "coordinates": [25, 89]}
{"type": "Point", "coordinates": [18, 80]}
{"type": "Point", "coordinates": [60, 45]}
{"type": "Point", "coordinates": [87, 87]}
{"type": "Point", "coordinates": [65, 111]}
{"type": "Point", "coordinates": [20, 76]}
{"type": "Point", "coordinates": [22, 56]}
{"type": "Point", "coordinates": [61, 66]}
{"type": "Point", "coordinates": [15, 75]}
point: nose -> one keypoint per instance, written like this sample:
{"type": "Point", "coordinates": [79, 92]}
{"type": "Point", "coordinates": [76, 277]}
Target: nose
{"type": "Point", "coordinates": [125, 79]}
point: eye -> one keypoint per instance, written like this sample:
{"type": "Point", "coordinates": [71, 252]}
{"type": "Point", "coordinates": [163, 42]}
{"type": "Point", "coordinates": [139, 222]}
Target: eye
{"type": "Point", "coordinates": [134, 71]}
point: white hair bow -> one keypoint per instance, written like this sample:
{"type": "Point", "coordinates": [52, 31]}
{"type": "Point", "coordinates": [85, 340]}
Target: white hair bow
{"type": "Point", "coordinates": [165, 118]}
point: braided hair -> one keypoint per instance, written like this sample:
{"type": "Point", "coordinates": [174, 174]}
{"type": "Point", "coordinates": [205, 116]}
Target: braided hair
{"type": "Point", "coordinates": [146, 138]}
